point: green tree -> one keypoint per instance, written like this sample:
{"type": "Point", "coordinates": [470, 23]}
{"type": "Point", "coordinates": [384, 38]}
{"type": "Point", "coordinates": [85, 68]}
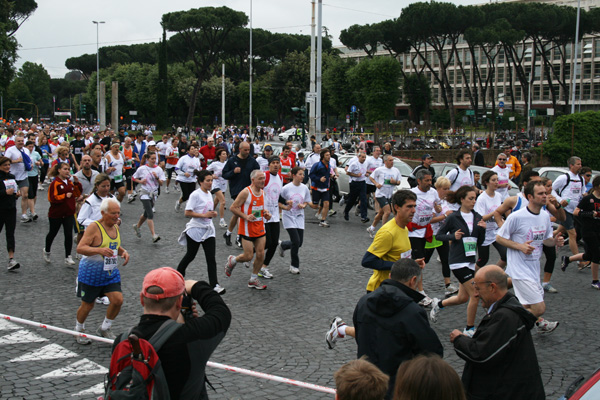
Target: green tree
{"type": "Point", "coordinates": [37, 80]}
{"type": "Point", "coordinates": [202, 33]}
{"type": "Point", "coordinates": [418, 95]}
{"type": "Point", "coordinates": [376, 85]}
{"type": "Point", "coordinates": [18, 91]}
{"type": "Point", "coordinates": [337, 90]}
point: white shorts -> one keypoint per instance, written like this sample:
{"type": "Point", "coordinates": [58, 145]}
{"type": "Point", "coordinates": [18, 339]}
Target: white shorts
{"type": "Point", "coordinates": [528, 292]}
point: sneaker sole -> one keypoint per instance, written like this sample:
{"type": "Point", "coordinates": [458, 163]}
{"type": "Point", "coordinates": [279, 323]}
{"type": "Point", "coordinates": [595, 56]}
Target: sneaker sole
{"type": "Point", "coordinates": [257, 287]}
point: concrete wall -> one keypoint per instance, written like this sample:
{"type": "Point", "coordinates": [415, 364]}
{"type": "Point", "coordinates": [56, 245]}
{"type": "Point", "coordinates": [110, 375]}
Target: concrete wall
{"type": "Point", "coordinates": [413, 157]}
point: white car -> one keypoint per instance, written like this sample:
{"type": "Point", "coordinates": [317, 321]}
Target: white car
{"type": "Point", "coordinates": [291, 134]}
{"type": "Point", "coordinates": [554, 172]}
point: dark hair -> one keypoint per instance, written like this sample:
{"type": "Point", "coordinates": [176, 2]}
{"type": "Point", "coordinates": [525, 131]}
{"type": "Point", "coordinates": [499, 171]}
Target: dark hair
{"type": "Point", "coordinates": [582, 171]}
{"type": "Point", "coordinates": [4, 160]}
{"type": "Point", "coordinates": [29, 142]}
{"type": "Point", "coordinates": [219, 151]}
{"type": "Point", "coordinates": [460, 194]}
{"type": "Point", "coordinates": [461, 154]}
{"type": "Point", "coordinates": [53, 173]}
{"type": "Point", "coordinates": [286, 147]}
{"type": "Point", "coordinates": [360, 380]}
{"type": "Point", "coordinates": [202, 174]}
{"type": "Point", "coordinates": [273, 159]}
{"type": "Point", "coordinates": [528, 175]}
{"type": "Point", "coordinates": [427, 377]}
{"type": "Point", "coordinates": [323, 152]}
{"type": "Point", "coordinates": [404, 270]}
{"type": "Point", "coordinates": [401, 196]}
{"type": "Point", "coordinates": [530, 187]}
{"type": "Point", "coordinates": [487, 176]}
{"type": "Point", "coordinates": [528, 156]}
{"type": "Point", "coordinates": [295, 170]}
{"type": "Point", "coordinates": [595, 182]}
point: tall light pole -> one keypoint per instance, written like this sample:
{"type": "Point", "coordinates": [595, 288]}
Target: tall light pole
{"type": "Point", "coordinates": [575, 59]}
{"type": "Point", "coordinates": [98, 69]}
{"type": "Point", "coordinates": [250, 72]}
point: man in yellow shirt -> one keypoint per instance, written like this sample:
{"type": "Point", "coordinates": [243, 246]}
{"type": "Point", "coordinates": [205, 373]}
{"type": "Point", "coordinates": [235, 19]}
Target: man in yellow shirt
{"type": "Point", "coordinates": [391, 242]}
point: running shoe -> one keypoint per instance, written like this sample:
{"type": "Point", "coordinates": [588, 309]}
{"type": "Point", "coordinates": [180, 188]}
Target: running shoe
{"type": "Point", "coordinates": [426, 301]}
{"type": "Point", "coordinates": [103, 300]}
{"type": "Point", "coordinates": [294, 270]}
{"type": "Point", "coordinates": [246, 264]}
{"type": "Point", "coordinates": [364, 220]}
{"type": "Point", "coordinates": [131, 198]}
{"type": "Point", "coordinates": [137, 230]}
{"type": "Point", "coordinates": [83, 340]}
{"type": "Point", "coordinates": [435, 310]}
{"type": "Point", "coordinates": [230, 265]}
{"type": "Point", "coordinates": [167, 190]}
{"type": "Point", "coordinates": [469, 332]}
{"type": "Point", "coordinates": [450, 290]}
{"type": "Point", "coordinates": [346, 216]}
{"type": "Point", "coordinates": [46, 255]}
{"type": "Point", "coordinates": [25, 218]}
{"type": "Point", "coordinates": [333, 334]}
{"type": "Point", "coordinates": [564, 263]}
{"type": "Point", "coordinates": [177, 188]}
{"type": "Point", "coordinates": [331, 212]}
{"type": "Point", "coordinates": [218, 288]}
{"type": "Point", "coordinates": [544, 326]}
{"type": "Point", "coordinates": [324, 224]}
{"type": "Point", "coordinates": [582, 266]}
{"type": "Point", "coordinates": [177, 206]}
{"type": "Point", "coordinates": [227, 239]}
{"type": "Point", "coordinates": [12, 265]}
{"type": "Point", "coordinates": [69, 261]}
{"type": "Point", "coordinates": [371, 231]}
{"type": "Point", "coordinates": [281, 249]}
{"type": "Point", "coordinates": [34, 216]}
{"type": "Point", "coordinates": [155, 238]}
{"type": "Point", "coordinates": [264, 273]}
{"type": "Point", "coordinates": [105, 333]}
{"type": "Point", "coordinates": [342, 201]}
{"type": "Point", "coordinates": [318, 215]}
{"type": "Point", "coordinates": [222, 223]}
{"type": "Point", "coordinates": [238, 242]}
{"type": "Point", "coordinates": [549, 288]}
{"type": "Point", "coordinates": [596, 285]}
{"type": "Point", "coordinates": [256, 284]}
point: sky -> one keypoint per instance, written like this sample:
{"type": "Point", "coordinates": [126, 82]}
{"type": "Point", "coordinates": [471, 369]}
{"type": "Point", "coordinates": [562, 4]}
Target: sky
{"type": "Point", "coordinates": [60, 29]}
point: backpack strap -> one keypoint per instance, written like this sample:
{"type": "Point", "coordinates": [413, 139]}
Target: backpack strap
{"type": "Point", "coordinates": [164, 333]}
{"type": "Point", "coordinates": [567, 184]}
{"type": "Point", "coordinates": [456, 177]}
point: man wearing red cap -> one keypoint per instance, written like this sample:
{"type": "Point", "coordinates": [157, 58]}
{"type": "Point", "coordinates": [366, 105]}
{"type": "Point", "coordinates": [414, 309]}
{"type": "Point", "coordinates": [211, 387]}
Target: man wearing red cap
{"type": "Point", "coordinates": [186, 351]}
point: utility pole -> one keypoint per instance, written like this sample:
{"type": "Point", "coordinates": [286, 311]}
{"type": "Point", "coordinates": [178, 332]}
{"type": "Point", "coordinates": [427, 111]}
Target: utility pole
{"type": "Point", "coordinates": [319, 57]}
{"type": "Point", "coordinates": [312, 105]}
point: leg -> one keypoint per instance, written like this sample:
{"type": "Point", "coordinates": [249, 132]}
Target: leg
{"type": "Point", "coordinates": [121, 193]}
{"type": "Point", "coordinates": [272, 240]}
{"type": "Point", "coordinates": [84, 311]}
{"type": "Point", "coordinates": [364, 203]}
{"type": "Point", "coordinates": [259, 247]}
{"type": "Point", "coordinates": [550, 253]}
{"type": "Point", "coordinates": [10, 222]}
{"type": "Point", "coordinates": [484, 255]}
{"type": "Point", "coordinates": [443, 252]}
{"type": "Point", "coordinates": [209, 247]}
{"type": "Point", "coordinates": [573, 241]}
{"type": "Point", "coordinates": [116, 301]}
{"type": "Point", "coordinates": [24, 198]}
{"type": "Point", "coordinates": [248, 247]}
{"type": "Point", "coordinates": [55, 224]}
{"type": "Point", "coordinates": [190, 254]}
{"type": "Point", "coordinates": [296, 242]}
{"type": "Point", "coordinates": [220, 201]}
{"type": "Point", "coordinates": [536, 309]}
{"type": "Point", "coordinates": [67, 224]}
{"type": "Point", "coordinates": [352, 197]}
{"type": "Point", "coordinates": [502, 252]}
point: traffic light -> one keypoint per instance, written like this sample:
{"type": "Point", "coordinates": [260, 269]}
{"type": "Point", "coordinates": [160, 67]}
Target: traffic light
{"type": "Point", "coordinates": [83, 109]}
{"type": "Point", "coordinates": [300, 115]}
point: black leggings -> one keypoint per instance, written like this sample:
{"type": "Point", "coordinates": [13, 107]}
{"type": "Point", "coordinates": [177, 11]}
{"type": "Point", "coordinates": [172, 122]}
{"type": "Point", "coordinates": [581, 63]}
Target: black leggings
{"type": "Point", "coordinates": [55, 224]}
{"type": "Point", "coordinates": [186, 189]}
{"type": "Point", "coordinates": [8, 218]}
{"type": "Point", "coordinates": [295, 242]}
{"type": "Point", "coordinates": [443, 252]}
{"type": "Point", "coordinates": [272, 233]}
{"type": "Point", "coordinates": [484, 253]}
{"type": "Point", "coordinates": [592, 247]}
{"type": "Point", "coordinates": [43, 172]}
{"type": "Point", "coordinates": [209, 247]}
{"type": "Point", "coordinates": [550, 253]}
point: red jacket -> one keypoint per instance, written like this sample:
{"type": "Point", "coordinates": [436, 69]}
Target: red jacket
{"type": "Point", "coordinates": [208, 153]}
{"type": "Point", "coordinates": [60, 205]}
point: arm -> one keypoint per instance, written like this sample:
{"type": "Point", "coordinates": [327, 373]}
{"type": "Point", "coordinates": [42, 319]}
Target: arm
{"type": "Point", "coordinates": [556, 209]}
{"type": "Point", "coordinates": [86, 244]}
{"type": "Point", "coordinates": [216, 318]}
{"type": "Point", "coordinates": [445, 233]}
{"type": "Point", "coordinates": [236, 207]}
{"type": "Point", "coordinates": [517, 167]}
{"type": "Point", "coordinates": [370, 260]}
{"type": "Point", "coordinates": [228, 169]}
{"type": "Point", "coordinates": [505, 207]}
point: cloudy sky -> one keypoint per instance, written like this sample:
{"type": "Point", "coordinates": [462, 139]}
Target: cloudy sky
{"type": "Point", "coordinates": [60, 29]}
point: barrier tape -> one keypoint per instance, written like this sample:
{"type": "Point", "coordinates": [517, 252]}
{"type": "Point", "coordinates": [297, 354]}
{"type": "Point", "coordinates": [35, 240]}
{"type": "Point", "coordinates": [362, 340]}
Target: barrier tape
{"type": "Point", "coordinates": [225, 367]}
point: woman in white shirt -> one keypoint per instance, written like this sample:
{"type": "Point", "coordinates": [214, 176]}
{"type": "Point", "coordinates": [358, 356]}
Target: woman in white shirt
{"type": "Point", "coordinates": [200, 230]}
{"type": "Point", "coordinates": [486, 204]}
{"type": "Point", "coordinates": [151, 177]}
{"type": "Point", "coordinates": [219, 184]}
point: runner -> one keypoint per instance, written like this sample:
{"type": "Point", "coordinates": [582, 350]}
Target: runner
{"type": "Point", "coordinates": [151, 177]}
{"type": "Point", "coordinates": [98, 270]}
{"type": "Point", "coordinates": [373, 162]}
{"type": "Point", "coordinates": [385, 179]}
{"type": "Point", "coordinates": [114, 163]}
{"type": "Point", "coordinates": [185, 175]}
{"type": "Point", "coordinates": [249, 207]}
{"type": "Point", "coordinates": [17, 168]}
{"type": "Point", "coordinates": [287, 164]}
{"type": "Point", "coordinates": [320, 177]}
{"type": "Point", "coordinates": [33, 177]}
{"type": "Point", "coordinates": [466, 229]}
{"type": "Point", "coordinates": [61, 196]}
{"type": "Point", "coordinates": [9, 192]}
{"type": "Point", "coordinates": [172, 157]}
{"type": "Point", "coordinates": [523, 234]}
{"type": "Point", "coordinates": [200, 230]}
{"type": "Point", "coordinates": [486, 205]}
{"type": "Point", "coordinates": [461, 175]}
{"type": "Point", "coordinates": [503, 172]}
{"type": "Point", "coordinates": [272, 191]}
{"type": "Point", "coordinates": [263, 160]}
{"type": "Point", "coordinates": [296, 197]}
{"type": "Point", "coordinates": [129, 167]}
{"type": "Point", "coordinates": [208, 152]}
{"type": "Point", "coordinates": [357, 171]}
{"type": "Point", "coordinates": [219, 185]}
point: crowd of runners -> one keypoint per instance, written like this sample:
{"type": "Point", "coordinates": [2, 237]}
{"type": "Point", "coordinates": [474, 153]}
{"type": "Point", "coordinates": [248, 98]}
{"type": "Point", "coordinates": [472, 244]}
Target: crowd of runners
{"type": "Point", "coordinates": [86, 174]}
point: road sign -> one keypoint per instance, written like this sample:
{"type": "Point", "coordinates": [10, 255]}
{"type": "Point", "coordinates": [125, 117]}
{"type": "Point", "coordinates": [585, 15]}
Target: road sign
{"type": "Point", "coordinates": [532, 113]}
{"type": "Point", "coordinates": [347, 120]}
{"type": "Point", "coordinates": [511, 119]}
{"type": "Point", "coordinates": [470, 112]}
{"type": "Point", "coordinates": [353, 109]}
{"type": "Point", "coordinates": [62, 113]}
{"type": "Point", "coordinates": [132, 112]}
{"type": "Point", "coordinates": [501, 104]}
{"type": "Point", "coordinates": [550, 111]}
{"type": "Point", "coordinates": [501, 111]}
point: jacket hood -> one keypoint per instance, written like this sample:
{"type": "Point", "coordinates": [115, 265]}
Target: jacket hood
{"type": "Point", "coordinates": [391, 297]}
{"type": "Point", "coordinates": [510, 301]}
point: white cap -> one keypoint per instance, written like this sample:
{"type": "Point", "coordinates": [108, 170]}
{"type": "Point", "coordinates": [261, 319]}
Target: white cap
{"type": "Point", "coordinates": [151, 143]}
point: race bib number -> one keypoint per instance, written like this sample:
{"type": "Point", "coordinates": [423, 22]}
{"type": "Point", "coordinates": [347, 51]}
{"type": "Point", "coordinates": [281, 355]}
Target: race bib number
{"type": "Point", "coordinates": [110, 263]}
{"type": "Point", "coordinates": [11, 184]}
{"type": "Point", "coordinates": [257, 211]}
{"type": "Point", "coordinates": [128, 162]}
{"type": "Point", "coordinates": [78, 150]}
{"type": "Point", "coordinates": [576, 190]}
{"type": "Point", "coordinates": [285, 170]}
{"type": "Point", "coordinates": [118, 178]}
{"type": "Point", "coordinates": [470, 244]}
{"type": "Point", "coordinates": [387, 180]}
{"type": "Point", "coordinates": [537, 235]}
{"type": "Point", "coordinates": [406, 254]}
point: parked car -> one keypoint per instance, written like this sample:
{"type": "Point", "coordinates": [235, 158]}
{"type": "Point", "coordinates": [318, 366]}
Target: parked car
{"type": "Point", "coordinates": [442, 169]}
{"type": "Point", "coordinates": [582, 388]}
{"type": "Point", "coordinates": [290, 134]}
{"type": "Point", "coordinates": [344, 182]}
{"type": "Point", "coordinates": [554, 172]}
{"type": "Point", "coordinates": [277, 147]}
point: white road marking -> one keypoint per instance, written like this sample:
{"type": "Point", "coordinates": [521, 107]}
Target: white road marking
{"type": "Point", "coordinates": [49, 352]}
{"type": "Point", "coordinates": [96, 389]}
{"type": "Point", "coordinates": [79, 368]}
{"type": "Point", "coordinates": [22, 336]}
{"type": "Point", "coordinates": [6, 325]}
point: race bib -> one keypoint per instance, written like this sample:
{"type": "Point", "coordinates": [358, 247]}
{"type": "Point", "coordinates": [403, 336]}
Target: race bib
{"type": "Point", "coordinates": [387, 180]}
{"type": "Point", "coordinates": [406, 254]}
{"type": "Point", "coordinates": [285, 170]}
{"type": "Point", "coordinates": [470, 244]}
{"type": "Point", "coordinates": [78, 150]}
{"type": "Point", "coordinates": [118, 178]}
{"type": "Point", "coordinates": [128, 162]}
{"type": "Point", "coordinates": [11, 184]}
{"type": "Point", "coordinates": [209, 161]}
{"type": "Point", "coordinates": [537, 235]}
{"type": "Point", "coordinates": [576, 190]}
{"type": "Point", "coordinates": [110, 263]}
{"type": "Point", "coordinates": [257, 211]}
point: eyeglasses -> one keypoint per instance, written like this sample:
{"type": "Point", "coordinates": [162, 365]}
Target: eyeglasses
{"type": "Point", "coordinates": [588, 175]}
{"type": "Point", "coordinates": [480, 283]}
{"type": "Point", "coordinates": [502, 159]}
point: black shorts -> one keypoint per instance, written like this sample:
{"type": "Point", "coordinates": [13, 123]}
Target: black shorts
{"type": "Point", "coordinates": [383, 201]}
{"type": "Point", "coordinates": [89, 294]}
{"type": "Point", "coordinates": [116, 186]}
{"type": "Point", "coordinates": [251, 239]}
{"type": "Point", "coordinates": [129, 173]}
{"type": "Point", "coordinates": [463, 274]}
{"type": "Point", "coordinates": [33, 186]}
{"type": "Point", "coordinates": [371, 189]}
{"type": "Point", "coordinates": [215, 191]}
{"type": "Point", "coordinates": [318, 197]}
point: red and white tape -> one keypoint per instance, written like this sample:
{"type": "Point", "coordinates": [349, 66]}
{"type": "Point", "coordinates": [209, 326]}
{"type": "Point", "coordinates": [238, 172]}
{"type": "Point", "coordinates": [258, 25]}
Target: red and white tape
{"type": "Point", "coordinates": [243, 371]}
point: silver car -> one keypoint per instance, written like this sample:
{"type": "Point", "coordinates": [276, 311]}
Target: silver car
{"type": "Point", "coordinates": [442, 169]}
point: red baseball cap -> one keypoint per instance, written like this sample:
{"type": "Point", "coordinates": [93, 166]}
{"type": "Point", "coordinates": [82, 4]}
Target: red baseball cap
{"type": "Point", "coordinates": [168, 279]}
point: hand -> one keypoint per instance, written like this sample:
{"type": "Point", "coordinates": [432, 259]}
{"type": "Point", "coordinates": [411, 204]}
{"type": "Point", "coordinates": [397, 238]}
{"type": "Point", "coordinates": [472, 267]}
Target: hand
{"type": "Point", "coordinates": [250, 218]}
{"type": "Point", "coordinates": [267, 215]}
{"type": "Point", "coordinates": [458, 234]}
{"type": "Point", "coordinates": [69, 195]}
{"type": "Point", "coordinates": [10, 191]}
{"type": "Point", "coordinates": [379, 185]}
{"type": "Point", "coordinates": [323, 179]}
{"type": "Point", "coordinates": [187, 174]}
{"type": "Point", "coordinates": [560, 241]}
{"type": "Point", "coordinates": [454, 334]}
{"type": "Point", "coordinates": [75, 179]}
{"type": "Point", "coordinates": [302, 206]}
{"type": "Point", "coordinates": [482, 224]}
{"type": "Point", "coordinates": [526, 247]}
{"type": "Point", "coordinates": [564, 203]}
{"type": "Point", "coordinates": [106, 252]}
{"type": "Point", "coordinates": [420, 262]}
{"type": "Point", "coordinates": [189, 284]}
{"type": "Point", "coordinates": [211, 214]}
{"type": "Point", "coordinates": [237, 170]}
{"type": "Point", "coordinates": [125, 256]}
{"type": "Point", "coordinates": [155, 175]}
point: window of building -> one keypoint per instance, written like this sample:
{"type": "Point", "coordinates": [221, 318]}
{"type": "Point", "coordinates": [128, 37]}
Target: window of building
{"type": "Point", "coordinates": [518, 93]}
{"type": "Point", "coordinates": [500, 74]}
{"type": "Point", "coordinates": [459, 77]}
{"type": "Point", "coordinates": [587, 70]}
{"type": "Point", "coordinates": [500, 56]}
{"type": "Point", "coordinates": [597, 92]}
{"type": "Point", "coordinates": [587, 91]}
{"type": "Point", "coordinates": [458, 94]}
{"type": "Point", "coordinates": [546, 93]}
{"type": "Point", "coordinates": [567, 71]}
{"type": "Point", "coordinates": [451, 76]}
{"type": "Point", "coordinates": [536, 92]}
{"type": "Point", "coordinates": [467, 58]}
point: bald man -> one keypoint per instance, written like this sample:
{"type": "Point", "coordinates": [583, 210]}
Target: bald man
{"type": "Point", "coordinates": [500, 358]}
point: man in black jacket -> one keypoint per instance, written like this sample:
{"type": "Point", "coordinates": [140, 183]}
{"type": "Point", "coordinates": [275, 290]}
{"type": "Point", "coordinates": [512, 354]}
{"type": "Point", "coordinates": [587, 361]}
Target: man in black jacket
{"type": "Point", "coordinates": [500, 358]}
{"type": "Point", "coordinates": [390, 326]}
{"type": "Point", "coordinates": [477, 156]}
{"type": "Point", "coordinates": [426, 161]}
{"type": "Point", "coordinates": [186, 351]}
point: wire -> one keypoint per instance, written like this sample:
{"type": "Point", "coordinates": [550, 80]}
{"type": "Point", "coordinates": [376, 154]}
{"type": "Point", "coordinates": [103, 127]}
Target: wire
{"type": "Point", "coordinates": [87, 44]}
{"type": "Point", "coordinates": [360, 11]}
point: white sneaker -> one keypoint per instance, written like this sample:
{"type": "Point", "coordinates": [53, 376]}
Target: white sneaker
{"type": "Point", "coordinates": [371, 232]}
{"type": "Point", "coordinates": [218, 288]}
{"type": "Point", "coordinates": [83, 340]}
{"type": "Point", "coordinates": [450, 290]}
{"type": "Point", "coordinates": [435, 310]}
{"type": "Point", "coordinates": [167, 190]}
{"type": "Point", "coordinates": [294, 270]}
{"type": "Point", "coordinates": [69, 261]}
{"type": "Point", "coordinates": [155, 238]}
{"type": "Point", "coordinates": [264, 273]}
{"type": "Point", "coordinates": [426, 301]}
{"type": "Point", "coordinates": [177, 206]}
{"type": "Point", "coordinates": [46, 255]}
{"type": "Point", "coordinates": [280, 249]}
{"type": "Point", "coordinates": [137, 230]}
{"type": "Point", "coordinates": [342, 201]}
{"type": "Point", "coordinates": [177, 188]}
{"type": "Point", "coordinates": [318, 216]}
{"type": "Point", "coordinates": [103, 300]}
{"type": "Point", "coordinates": [78, 256]}
{"type": "Point", "coordinates": [469, 332]}
{"type": "Point", "coordinates": [153, 209]}
{"type": "Point", "coordinates": [222, 223]}
{"type": "Point", "coordinates": [545, 326]}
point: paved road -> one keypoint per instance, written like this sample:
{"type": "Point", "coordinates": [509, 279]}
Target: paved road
{"type": "Point", "coordinates": [278, 331]}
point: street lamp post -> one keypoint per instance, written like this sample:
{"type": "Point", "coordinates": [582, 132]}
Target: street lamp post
{"type": "Point", "coordinates": [98, 69]}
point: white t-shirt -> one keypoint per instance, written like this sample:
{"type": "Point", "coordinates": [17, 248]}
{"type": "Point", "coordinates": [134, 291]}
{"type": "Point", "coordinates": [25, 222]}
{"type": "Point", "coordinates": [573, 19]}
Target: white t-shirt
{"type": "Point", "coordinates": [218, 181]}
{"type": "Point", "coordinates": [271, 191]}
{"type": "Point", "coordinates": [312, 159]}
{"type": "Point", "coordinates": [520, 227]}
{"type": "Point", "coordinates": [17, 169]}
{"type": "Point", "coordinates": [425, 209]}
{"type": "Point", "coordinates": [294, 218]}
{"type": "Point", "coordinates": [383, 175]}
{"type": "Point", "coordinates": [573, 192]}
{"type": "Point", "coordinates": [187, 164]}
{"type": "Point", "coordinates": [263, 163]}
{"type": "Point", "coordinates": [372, 164]}
{"type": "Point", "coordinates": [201, 203]}
{"type": "Point", "coordinates": [464, 178]}
{"type": "Point", "coordinates": [485, 205]}
{"type": "Point", "coordinates": [162, 147]}
{"type": "Point", "coordinates": [503, 177]}
{"type": "Point", "coordinates": [152, 184]}
{"type": "Point", "coordinates": [445, 208]}
{"type": "Point", "coordinates": [116, 162]}
{"type": "Point", "coordinates": [468, 217]}
{"type": "Point", "coordinates": [356, 167]}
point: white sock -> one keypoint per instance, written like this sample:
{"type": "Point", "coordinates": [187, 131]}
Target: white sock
{"type": "Point", "coordinates": [106, 324]}
{"type": "Point", "coordinates": [79, 327]}
{"type": "Point", "coordinates": [228, 233]}
{"type": "Point", "coordinates": [422, 292]}
{"type": "Point", "coordinates": [342, 330]}
{"type": "Point", "coordinates": [253, 276]}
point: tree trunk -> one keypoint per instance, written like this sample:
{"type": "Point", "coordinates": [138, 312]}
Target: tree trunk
{"type": "Point", "coordinates": [192, 108]}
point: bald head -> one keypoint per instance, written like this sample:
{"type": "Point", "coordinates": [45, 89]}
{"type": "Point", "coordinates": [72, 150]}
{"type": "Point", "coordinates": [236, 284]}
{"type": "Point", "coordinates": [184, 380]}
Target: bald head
{"type": "Point", "coordinates": [496, 275]}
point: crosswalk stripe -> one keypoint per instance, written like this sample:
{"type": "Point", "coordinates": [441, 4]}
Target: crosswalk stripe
{"type": "Point", "coordinates": [21, 336]}
{"type": "Point", "coordinates": [96, 389]}
{"type": "Point", "coordinates": [49, 352]}
{"type": "Point", "coordinates": [7, 326]}
{"type": "Point", "coordinates": [79, 368]}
